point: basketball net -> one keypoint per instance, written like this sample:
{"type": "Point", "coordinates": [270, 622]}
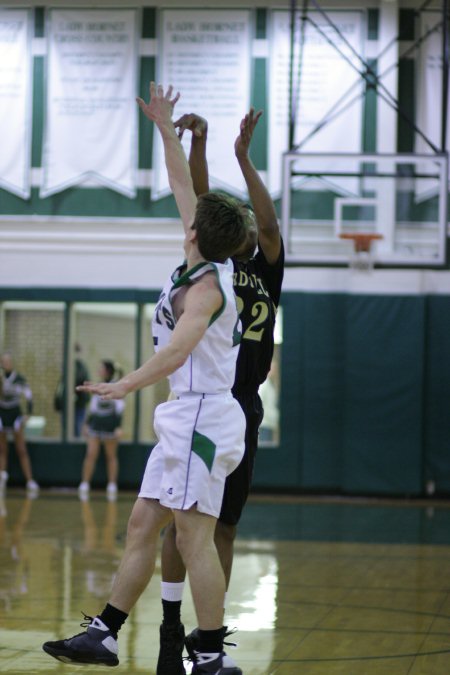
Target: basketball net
{"type": "Point", "coordinates": [362, 259]}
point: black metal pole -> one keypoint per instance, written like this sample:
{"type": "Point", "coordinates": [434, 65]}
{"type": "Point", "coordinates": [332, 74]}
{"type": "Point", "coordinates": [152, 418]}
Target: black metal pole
{"type": "Point", "coordinates": [291, 76]}
{"type": "Point", "coordinates": [445, 69]}
{"type": "Point", "coordinates": [67, 363]}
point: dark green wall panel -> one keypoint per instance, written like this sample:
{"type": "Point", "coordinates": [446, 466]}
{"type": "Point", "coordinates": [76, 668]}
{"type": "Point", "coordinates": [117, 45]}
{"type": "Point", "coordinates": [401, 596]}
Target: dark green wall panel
{"type": "Point", "coordinates": [59, 465]}
{"type": "Point", "coordinates": [437, 398]}
{"type": "Point", "coordinates": [322, 374]}
{"type": "Point", "coordinates": [383, 397]}
{"type": "Point", "coordinates": [280, 467]}
{"type": "Point", "coordinates": [258, 99]}
{"type": "Point", "coordinates": [38, 116]}
{"type": "Point", "coordinates": [147, 74]}
{"type": "Point", "coordinates": [352, 414]}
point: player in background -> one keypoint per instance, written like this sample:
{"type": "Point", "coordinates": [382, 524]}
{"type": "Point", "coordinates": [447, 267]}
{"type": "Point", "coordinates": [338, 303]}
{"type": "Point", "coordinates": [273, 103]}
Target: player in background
{"type": "Point", "coordinates": [103, 426]}
{"type": "Point", "coordinates": [14, 387]}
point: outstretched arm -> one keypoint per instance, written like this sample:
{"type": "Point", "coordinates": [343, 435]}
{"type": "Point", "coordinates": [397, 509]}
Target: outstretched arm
{"type": "Point", "coordinates": [265, 214]}
{"type": "Point", "coordinates": [198, 164]}
{"type": "Point", "coordinates": [201, 302]}
{"type": "Point", "coordinates": [159, 110]}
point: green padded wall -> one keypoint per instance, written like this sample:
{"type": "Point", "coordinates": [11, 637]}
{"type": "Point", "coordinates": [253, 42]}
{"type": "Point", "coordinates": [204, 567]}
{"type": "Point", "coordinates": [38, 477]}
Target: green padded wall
{"type": "Point", "coordinates": [383, 394]}
{"type": "Point", "coordinates": [437, 394]}
{"type": "Point", "coordinates": [353, 395]}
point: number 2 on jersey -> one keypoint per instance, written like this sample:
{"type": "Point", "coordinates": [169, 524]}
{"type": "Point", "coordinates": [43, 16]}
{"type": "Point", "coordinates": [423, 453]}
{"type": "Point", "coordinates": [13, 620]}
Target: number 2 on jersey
{"type": "Point", "coordinates": [260, 312]}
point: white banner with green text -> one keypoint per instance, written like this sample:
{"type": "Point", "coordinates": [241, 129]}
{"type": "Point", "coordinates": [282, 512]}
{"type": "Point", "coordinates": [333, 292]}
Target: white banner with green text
{"type": "Point", "coordinates": [205, 55]}
{"type": "Point", "coordinates": [15, 101]}
{"type": "Point", "coordinates": [91, 112]}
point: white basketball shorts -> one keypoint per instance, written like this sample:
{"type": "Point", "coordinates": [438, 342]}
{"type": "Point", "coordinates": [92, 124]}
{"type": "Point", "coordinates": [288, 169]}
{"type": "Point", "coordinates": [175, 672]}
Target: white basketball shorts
{"type": "Point", "coordinates": [200, 442]}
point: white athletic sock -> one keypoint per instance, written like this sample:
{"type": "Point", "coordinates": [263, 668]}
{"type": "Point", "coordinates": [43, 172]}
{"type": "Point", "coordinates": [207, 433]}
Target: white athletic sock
{"type": "Point", "coordinates": [172, 592]}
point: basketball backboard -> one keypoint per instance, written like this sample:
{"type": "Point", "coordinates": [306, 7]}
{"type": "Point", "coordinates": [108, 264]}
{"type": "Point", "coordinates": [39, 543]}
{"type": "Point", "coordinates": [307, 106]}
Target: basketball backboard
{"type": "Point", "coordinates": [400, 198]}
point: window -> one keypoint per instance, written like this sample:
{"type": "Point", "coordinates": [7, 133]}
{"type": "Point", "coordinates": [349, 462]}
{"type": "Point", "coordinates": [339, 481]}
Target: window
{"type": "Point", "coordinates": [34, 334]}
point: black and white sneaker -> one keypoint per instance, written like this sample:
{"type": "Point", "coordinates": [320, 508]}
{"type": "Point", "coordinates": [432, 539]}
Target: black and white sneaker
{"type": "Point", "coordinates": [210, 664]}
{"type": "Point", "coordinates": [191, 640]}
{"type": "Point", "coordinates": [214, 664]}
{"type": "Point", "coordinates": [95, 645]}
{"type": "Point", "coordinates": [171, 645]}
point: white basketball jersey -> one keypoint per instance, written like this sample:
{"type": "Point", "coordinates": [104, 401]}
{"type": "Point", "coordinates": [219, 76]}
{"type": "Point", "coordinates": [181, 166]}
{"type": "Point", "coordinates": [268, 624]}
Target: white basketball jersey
{"type": "Point", "coordinates": [211, 366]}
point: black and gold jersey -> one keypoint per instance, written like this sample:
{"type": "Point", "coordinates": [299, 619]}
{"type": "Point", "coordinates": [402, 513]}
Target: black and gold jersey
{"type": "Point", "coordinates": [257, 285]}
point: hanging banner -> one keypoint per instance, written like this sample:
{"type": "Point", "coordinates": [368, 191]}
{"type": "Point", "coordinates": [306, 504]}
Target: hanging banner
{"type": "Point", "coordinates": [322, 76]}
{"type": "Point", "coordinates": [205, 55]}
{"type": "Point", "coordinates": [429, 96]}
{"type": "Point", "coordinates": [91, 111]}
{"type": "Point", "coordinates": [15, 101]}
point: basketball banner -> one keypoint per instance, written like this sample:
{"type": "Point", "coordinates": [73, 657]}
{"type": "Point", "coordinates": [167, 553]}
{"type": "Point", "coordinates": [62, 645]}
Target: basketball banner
{"type": "Point", "coordinates": [15, 101]}
{"type": "Point", "coordinates": [91, 113]}
{"type": "Point", "coordinates": [322, 76]}
{"type": "Point", "coordinates": [205, 55]}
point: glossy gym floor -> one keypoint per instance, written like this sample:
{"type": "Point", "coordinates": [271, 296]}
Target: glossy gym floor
{"type": "Point", "coordinates": [320, 587]}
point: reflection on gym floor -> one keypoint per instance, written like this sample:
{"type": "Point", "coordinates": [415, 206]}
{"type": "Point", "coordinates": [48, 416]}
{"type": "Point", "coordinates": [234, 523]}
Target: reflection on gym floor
{"type": "Point", "coordinates": [319, 587]}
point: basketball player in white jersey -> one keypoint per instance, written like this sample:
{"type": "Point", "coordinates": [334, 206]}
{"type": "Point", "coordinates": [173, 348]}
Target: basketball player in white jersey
{"type": "Point", "coordinates": [200, 432]}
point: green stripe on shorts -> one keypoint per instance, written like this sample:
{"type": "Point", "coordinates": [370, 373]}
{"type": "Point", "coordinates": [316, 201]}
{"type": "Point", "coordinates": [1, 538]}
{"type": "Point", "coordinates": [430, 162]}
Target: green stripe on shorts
{"type": "Point", "coordinates": [204, 448]}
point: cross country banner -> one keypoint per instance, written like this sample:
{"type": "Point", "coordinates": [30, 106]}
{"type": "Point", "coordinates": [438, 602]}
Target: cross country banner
{"type": "Point", "coordinates": [15, 101]}
{"type": "Point", "coordinates": [91, 112]}
{"type": "Point", "coordinates": [206, 56]}
{"type": "Point", "coordinates": [326, 81]}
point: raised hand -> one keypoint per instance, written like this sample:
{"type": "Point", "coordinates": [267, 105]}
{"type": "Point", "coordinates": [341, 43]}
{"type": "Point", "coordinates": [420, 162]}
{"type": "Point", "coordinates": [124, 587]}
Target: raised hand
{"type": "Point", "coordinates": [191, 122]}
{"type": "Point", "coordinates": [160, 107]}
{"type": "Point", "coordinates": [247, 127]}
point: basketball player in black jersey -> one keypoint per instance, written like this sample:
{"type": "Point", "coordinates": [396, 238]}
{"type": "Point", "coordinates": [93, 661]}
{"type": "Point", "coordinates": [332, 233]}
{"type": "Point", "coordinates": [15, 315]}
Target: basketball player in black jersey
{"type": "Point", "coordinates": [257, 283]}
